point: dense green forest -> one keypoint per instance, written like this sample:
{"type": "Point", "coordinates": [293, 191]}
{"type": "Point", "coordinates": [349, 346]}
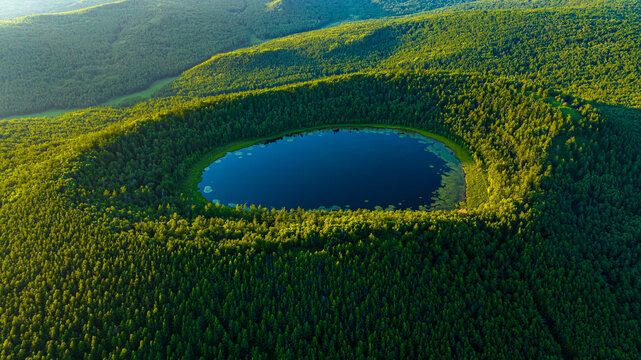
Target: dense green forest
{"type": "Point", "coordinates": [107, 252]}
{"type": "Point", "coordinates": [594, 53]}
{"type": "Point", "coordinates": [88, 56]}
{"type": "Point", "coordinates": [530, 4]}
{"type": "Point", "coordinates": [124, 214]}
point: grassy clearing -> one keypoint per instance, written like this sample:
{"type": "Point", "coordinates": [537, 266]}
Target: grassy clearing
{"type": "Point", "coordinates": [140, 95]}
{"type": "Point", "coordinates": [476, 184]}
{"type": "Point", "coordinates": [129, 99]}
{"type": "Point", "coordinates": [351, 18]}
{"type": "Point", "coordinates": [48, 113]}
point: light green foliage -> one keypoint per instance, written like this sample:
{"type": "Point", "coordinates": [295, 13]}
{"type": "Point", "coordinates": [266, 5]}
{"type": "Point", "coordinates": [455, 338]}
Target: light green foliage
{"type": "Point", "coordinates": [593, 53]}
{"type": "Point", "coordinates": [530, 4]}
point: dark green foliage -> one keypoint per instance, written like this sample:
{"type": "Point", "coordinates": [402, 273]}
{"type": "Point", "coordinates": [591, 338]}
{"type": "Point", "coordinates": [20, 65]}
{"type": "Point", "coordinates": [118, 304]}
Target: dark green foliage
{"type": "Point", "coordinates": [89, 56]}
{"type": "Point", "coordinates": [584, 260]}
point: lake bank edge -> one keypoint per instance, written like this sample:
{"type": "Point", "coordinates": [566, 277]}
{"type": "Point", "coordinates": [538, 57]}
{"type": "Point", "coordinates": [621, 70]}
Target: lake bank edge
{"type": "Point", "coordinates": [476, 183]}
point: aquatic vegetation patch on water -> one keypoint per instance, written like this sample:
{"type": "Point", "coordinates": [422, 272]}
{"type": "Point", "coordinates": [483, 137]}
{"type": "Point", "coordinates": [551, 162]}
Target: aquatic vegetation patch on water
{"type": "Point", "coordinates": [439, 149]}
{"type": "Point", "coordinates": [452, 190]}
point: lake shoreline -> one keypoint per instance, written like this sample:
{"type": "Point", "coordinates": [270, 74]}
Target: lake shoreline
{"type": "Point", "coordinates": [475, 177]}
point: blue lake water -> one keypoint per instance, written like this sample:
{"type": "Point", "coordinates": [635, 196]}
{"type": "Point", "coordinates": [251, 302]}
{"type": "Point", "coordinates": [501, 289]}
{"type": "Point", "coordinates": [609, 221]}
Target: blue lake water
{"type": "Point", "coordinates": [332, 169]}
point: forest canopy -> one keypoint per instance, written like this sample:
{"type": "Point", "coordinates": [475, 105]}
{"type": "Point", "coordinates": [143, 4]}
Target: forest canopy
{"type": "Point", "coordinates": [106, 252]}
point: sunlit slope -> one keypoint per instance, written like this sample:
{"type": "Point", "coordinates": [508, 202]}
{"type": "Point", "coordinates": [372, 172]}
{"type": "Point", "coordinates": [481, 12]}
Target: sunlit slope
{"type": "Point", "coordinates": [87, 56]}
{"type": "Point", "coordinates": [532, 4]}
{"type": "Point", "coordinates": [13, 9]}
{"type": "Point", "coordinates": [593, 53]}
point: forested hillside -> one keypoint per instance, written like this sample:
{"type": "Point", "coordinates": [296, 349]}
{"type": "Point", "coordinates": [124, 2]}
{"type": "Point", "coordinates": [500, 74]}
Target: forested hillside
{"type": "Point", "coordinates": [89, 56]}
{"type": "Point", "coordinates": [594, 53]}
{"type": "Point", "coordinates": [107, 252]}
{"type": "Point", "coordinates": [118, 260]}
{"type": "Point", "coordinates": [213, 273]}
{"type": "Point", "coordinates": [86, 57]}
{"type": "Point", "coordinates": [531, 4]}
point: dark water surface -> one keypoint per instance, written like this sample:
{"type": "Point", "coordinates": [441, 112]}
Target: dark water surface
{"type": "Point", "coordinates": [332, 169]}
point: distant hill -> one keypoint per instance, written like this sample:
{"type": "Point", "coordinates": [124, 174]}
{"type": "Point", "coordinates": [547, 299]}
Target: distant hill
{"type": "Point", "coordinates": [86, 57]}
{"type": "Point", "coordinates": [10, 9]}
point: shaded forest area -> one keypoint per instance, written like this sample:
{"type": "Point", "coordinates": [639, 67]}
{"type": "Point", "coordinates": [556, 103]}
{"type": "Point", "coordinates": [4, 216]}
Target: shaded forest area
{"type": "Point", "coordinates": [88, 56]}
